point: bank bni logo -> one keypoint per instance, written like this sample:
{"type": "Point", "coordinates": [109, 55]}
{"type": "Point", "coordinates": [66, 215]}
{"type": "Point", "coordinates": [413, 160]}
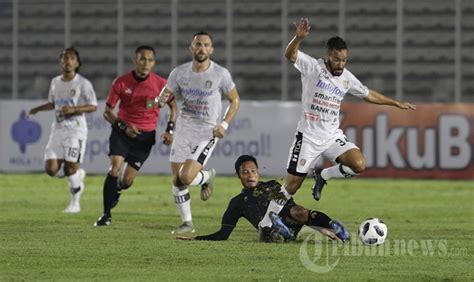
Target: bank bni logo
{"type": "Point", "coordinates": [25, 131]}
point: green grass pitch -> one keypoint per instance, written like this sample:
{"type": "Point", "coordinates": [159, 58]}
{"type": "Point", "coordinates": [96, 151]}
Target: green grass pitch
{"type": "Point", "coordinates": [430, 234]}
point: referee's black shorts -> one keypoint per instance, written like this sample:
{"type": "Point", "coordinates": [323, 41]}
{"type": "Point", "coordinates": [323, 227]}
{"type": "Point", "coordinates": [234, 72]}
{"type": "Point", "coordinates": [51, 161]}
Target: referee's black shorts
{"type": "Point", "coordinates": [134, 150]}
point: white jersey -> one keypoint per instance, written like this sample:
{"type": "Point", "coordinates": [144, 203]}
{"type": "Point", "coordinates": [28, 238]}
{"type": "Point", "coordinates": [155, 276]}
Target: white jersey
{"type": "Point", "coordinates": [322, 94]}
{"type": "Point", "coordinates": [76, 92]}
{"type": "Point", "coordinates": [202, 93]}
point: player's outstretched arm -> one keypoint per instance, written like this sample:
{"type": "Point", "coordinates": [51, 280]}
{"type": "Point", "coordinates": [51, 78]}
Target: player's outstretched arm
{"type": "Point", "coordinates": [69, 110]}
{"type": "Point", "coordinates": [375, 97]}
{"type": "Point", "coordinates": [45, 107]}
{"type": "Point", "coordinates": [234, 105]}
{"type": "Point", "coordinates": [229, 221]}
{"type": "Point", "coordinates": [301, 31]}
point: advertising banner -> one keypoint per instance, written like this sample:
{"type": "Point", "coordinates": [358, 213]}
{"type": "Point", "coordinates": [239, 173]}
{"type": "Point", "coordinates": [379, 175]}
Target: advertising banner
{"type": "Point", "coordinates": [435, 141]}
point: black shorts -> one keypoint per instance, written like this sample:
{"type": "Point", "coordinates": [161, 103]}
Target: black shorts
{"type": "Point", "coordinates": [285, 213]}
{"type": "Point", "coordinates": [134, 150]}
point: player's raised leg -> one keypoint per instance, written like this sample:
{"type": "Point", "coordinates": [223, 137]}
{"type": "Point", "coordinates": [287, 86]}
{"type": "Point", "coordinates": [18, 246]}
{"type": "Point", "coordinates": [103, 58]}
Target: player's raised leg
{"type": "Point", "coordinates": [192, 173]}
{"type": "Point", "coordinates": [350, 163]}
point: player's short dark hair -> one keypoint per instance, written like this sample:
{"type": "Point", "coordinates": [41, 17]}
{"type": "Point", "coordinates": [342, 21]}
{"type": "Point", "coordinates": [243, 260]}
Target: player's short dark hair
{"type": "Point", "coordinates": [76, 53]}
{"type": "Point", "coordinates": [244, 158]}
{"type": "Point", "coordinates": [202, 33]}
{"type": "Point", "coordinates": [336, 43]}
{"type": "Point", "coordinates": [145, 47]}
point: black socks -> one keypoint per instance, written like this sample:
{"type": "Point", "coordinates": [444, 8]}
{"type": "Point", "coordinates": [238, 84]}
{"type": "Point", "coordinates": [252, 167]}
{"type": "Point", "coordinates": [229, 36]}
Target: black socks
{"type": "Point", "coordinates": [317, 218]}
{"type": "Point", "coordinates": [110, 192]}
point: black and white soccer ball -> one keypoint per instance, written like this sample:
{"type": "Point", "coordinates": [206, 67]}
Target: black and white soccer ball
{"type": "Point", "coordinates": [373, 231]}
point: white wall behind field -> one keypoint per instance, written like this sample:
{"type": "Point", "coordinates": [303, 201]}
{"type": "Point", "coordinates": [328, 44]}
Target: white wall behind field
{"type": "Point", "coordinates": [435, 141]}
{"type": "Point", "coordinates": [261, 129]}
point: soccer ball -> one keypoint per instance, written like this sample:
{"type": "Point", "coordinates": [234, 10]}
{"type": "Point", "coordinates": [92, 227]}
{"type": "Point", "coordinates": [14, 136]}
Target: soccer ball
{"type": "Point", "coordinates": [373, 231]}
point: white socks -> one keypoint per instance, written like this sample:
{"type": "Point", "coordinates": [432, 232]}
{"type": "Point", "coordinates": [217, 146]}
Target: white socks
{"type": "Point", "coordinates": [337, 171]}
{"type": "Point", "coordinates": [201, 178]}
{"type": "Point", "coordinates": [76, 187]}
{"type": "Point", "coordinates": [182, 200]}
{"type": "Point", "coordinates": [74, 180]}
{"type": "Point", "coordinates": [275, 206]}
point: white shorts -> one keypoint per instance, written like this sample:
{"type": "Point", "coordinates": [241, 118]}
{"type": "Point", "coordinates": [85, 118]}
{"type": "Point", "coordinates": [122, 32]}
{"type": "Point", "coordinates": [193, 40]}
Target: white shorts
{"type": "Point", "coordinates": [192, 145]}
{"type": "Point", "coordinates": [305, 153]}
{"type": "Point", "coordinates": [65, 148]}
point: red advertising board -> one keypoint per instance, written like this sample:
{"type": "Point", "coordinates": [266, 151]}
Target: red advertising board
{"type": "Point", "coordinates": [434, 141]}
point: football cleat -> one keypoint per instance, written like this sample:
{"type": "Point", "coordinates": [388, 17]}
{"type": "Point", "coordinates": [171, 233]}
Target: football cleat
{"type": "Point", "coordinates": [104, 220]}
{"type": "Point", "coordinates": [265, 234]}
{"type": "Point", "coordinates": [72, 208]}
{"type": "Point", "coordinates": [340, 230]}
{"type": "Point", "coordinates": [184, 228]}
{"type": "Point", "coordinates": [318, 186]}
{"type": "Point", "coordinates": [208, 187]}
{"type": "Point", "coordinates": [269, 234]}
{"type": "Point", "coordinates": [280, 227]}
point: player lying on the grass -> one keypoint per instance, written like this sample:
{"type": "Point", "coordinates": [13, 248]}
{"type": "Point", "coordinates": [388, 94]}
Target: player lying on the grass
{"type": "Point", "coordinates": [252, 204]}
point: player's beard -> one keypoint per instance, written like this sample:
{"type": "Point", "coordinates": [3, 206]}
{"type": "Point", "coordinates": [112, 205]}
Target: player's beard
{"type": "Point", "coordinates": [337, 72]}
{"type": "Point", "coordinates": [200, 58]}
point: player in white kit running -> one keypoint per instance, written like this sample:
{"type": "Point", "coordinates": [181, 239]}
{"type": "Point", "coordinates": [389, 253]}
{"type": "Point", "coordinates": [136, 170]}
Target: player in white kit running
{"type": "Point", "coordinates": [202, 83]}
{"type": "Point", "coordinates": [325, 82]}
{"type": "Point", "coordinates": [70, 96]}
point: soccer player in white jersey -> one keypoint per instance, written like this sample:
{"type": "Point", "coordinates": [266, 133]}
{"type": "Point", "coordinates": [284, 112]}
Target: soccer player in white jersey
{"type": "Point", "coordinates": [202, 83]}
{"type": "Point", "coordinates": [325, 82]}
{"type": "Point", "coordinates": [70, 96]}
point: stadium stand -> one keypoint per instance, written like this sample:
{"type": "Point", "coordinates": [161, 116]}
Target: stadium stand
{"type": "Point", "coordinates": [370, 30]}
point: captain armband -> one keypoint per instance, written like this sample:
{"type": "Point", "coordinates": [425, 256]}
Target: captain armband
{"type": "Point", "coordinates": [170, 127]}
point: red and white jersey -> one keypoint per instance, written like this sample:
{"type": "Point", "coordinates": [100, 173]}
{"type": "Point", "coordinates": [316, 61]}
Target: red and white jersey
{"type": "Point", "coordinates": [202, 93]}
{"type": "Point", "coordinates": [137, 99]}
{"type": "Point", "coordinates": [322, 94]}
{"type": "Point", "coordinates": [76, 92]}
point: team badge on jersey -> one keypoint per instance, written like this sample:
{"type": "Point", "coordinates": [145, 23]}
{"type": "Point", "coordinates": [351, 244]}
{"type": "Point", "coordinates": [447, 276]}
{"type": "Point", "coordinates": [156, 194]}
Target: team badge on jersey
{"type": "Point", "coordinates": [345, 84]}
{"type": "Point", "coordinates": [73, 92]}
{"type": "Point", "coordinates": [185, 80]}
{"type": "Point", "coordinates": [149, 104]}
{"type": "Point", "coordinates": [208, 84]}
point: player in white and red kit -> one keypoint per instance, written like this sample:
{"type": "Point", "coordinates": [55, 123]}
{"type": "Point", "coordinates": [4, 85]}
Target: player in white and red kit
{"type": "Point", "coordinates": [133, 129]}
{"type": "Point", "coordinates": [70, 96]}
{"type": "Point", "coordinates": [202, 83]}
{"type": "Point", "coordinates": [325, 82]}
